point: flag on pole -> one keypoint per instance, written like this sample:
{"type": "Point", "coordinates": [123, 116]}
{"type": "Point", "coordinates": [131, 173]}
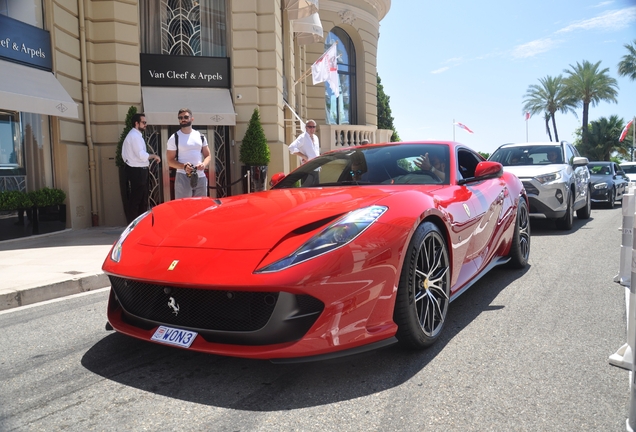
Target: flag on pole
{"type": "Point", "coordinates": [463, 126]}
{"type": "Point", "coordinates": [527, 116]}
{"type": "Point", "coordinates": [625, 130]}
{"type": "Point", "coordinates": [325, 69]}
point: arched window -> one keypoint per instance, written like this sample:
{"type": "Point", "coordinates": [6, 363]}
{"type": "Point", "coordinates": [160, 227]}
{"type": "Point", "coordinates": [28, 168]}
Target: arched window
{"type": "Point", "coordinates": [343, 109]}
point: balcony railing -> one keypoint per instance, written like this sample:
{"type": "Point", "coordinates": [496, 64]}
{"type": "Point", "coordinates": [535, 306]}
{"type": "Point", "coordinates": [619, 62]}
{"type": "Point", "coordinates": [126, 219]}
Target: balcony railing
{"type": "Point", "coordinates": [337, 136]}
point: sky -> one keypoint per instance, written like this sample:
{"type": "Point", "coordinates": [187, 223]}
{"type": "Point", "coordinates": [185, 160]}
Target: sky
{"type": "Point", "coordinates": [472, 62]}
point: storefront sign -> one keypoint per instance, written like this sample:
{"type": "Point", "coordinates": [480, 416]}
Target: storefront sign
{"type": "Point", "coordinates": [24, 43]}
{"type": "Point", "coordinates": [184, 71]}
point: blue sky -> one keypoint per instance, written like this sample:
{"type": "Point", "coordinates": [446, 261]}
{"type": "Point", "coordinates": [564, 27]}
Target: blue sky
{"type": "Point", "coordinates": [472, 62]}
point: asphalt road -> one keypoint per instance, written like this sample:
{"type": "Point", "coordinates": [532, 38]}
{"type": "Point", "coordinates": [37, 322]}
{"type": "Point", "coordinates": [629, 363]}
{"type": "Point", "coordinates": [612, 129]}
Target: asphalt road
{"type": "Point", "coordinates": [523, 351]}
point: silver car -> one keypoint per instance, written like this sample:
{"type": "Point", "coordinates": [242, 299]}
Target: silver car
{"type": "Point", "coordinates": [555, 176]}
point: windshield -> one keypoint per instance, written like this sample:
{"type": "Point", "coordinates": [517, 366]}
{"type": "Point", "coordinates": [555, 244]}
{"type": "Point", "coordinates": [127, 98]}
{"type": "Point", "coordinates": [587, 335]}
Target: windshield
{"type": "Point", "coordinates": [528, 155]}
{"type": "Point", "coordinates": [599, 169]}
{"type": "Point", "coordinates": [629, 169]}
{"type": "Point", "coordinates": [372, 165]}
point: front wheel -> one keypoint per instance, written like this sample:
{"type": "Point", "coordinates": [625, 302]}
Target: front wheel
{"type": "Point", "coordinates": [566, 222]}
{"type": "Point", "coordinates": [423, 293]}
{"type": "Point", "coordinates": [611, 200]}
{"type": "Point", "coordinates": [520, 248]}
{"type": "Point", "coordinates": [585, 212]}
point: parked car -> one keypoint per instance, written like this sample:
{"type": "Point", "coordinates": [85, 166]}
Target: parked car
{"type": "Point", "coordinates": [354, 250]}
{"type": "Point", "coordinates": [609, 182]}
{"type": "Point", "coordinates": [555, 176]}
{"type": "Point", "coordinates": [629, 168]}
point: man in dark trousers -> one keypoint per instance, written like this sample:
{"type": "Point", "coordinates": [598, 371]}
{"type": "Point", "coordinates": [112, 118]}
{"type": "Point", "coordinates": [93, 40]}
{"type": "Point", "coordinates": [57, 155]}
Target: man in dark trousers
{"type": "Point", "coordinates": [137, 161]}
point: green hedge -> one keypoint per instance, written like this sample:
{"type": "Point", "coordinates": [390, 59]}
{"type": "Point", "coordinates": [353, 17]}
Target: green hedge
{"type": "Point", "coordinates": [17, 200]}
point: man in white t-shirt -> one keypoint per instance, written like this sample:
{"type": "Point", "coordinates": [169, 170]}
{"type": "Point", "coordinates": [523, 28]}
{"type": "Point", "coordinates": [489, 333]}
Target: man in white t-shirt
{"type": "Point", "coordinates": [190, 158]}
{"type": "Point", "coordinates": [307, 145]}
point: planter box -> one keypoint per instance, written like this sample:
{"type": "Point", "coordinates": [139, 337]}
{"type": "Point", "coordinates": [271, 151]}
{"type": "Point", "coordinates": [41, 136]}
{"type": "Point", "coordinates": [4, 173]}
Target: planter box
{"type": "Point", "coordinates": [258, 178]}
{"type": "Point", "coordinates": [50, 219]}
{"type": "Point", "coordinates": [16, 224]}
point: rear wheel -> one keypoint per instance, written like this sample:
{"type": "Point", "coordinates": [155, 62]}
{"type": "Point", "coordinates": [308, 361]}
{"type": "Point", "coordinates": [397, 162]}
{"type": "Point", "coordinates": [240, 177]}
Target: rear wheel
{"type": "Point", "coordinates": [520, 248]}
{"type": "Point", "coordinates": [585, 212]}
{"type": "Point", "coordinates": [424, 290]}
{"type": "Point", "coordinates": [565, 223]}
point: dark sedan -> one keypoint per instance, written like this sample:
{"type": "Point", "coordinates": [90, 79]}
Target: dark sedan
{"type": "Point", "coordinates": [609, 182]}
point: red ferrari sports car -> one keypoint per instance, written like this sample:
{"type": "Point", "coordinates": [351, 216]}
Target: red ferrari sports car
{"type": "Point", "coordinates": [356, 249]}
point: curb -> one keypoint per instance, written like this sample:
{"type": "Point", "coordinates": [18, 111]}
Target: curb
{"type": "Point", "coordinates": [21, 297]}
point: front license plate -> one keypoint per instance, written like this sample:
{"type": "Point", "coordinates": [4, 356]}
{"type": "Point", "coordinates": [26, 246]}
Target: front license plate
{"type": "Point", "coordinates": [173, 336]}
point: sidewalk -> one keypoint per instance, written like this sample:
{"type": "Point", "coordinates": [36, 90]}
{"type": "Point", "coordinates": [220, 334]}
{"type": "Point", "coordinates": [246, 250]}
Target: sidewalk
{"type": "Point", "coordinates": [38, 268]}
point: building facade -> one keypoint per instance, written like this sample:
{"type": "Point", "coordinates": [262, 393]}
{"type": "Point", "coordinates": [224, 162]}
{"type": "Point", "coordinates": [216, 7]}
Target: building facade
{"type": "Point", "coordinates": [61, 121]}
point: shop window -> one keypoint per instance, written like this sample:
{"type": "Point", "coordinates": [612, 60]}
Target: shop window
{"type": "Point", "coordinates": [183, 27]}
{"type": "Point", "coordinates": [342, 109]}
{"type": "Point", "coordinates": [11, 150]}
{"type": "Point", "coordinates": [30, 12]}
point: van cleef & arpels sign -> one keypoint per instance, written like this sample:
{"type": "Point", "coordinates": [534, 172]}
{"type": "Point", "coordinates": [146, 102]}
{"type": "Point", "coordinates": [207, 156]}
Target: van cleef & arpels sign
{"type": "Point", "coordinates": [184, 71]}
{"type": "Point", "coordinates": [24, 43]}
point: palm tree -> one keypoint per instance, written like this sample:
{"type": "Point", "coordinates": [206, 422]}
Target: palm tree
{"type": "Point", "coordinates": [603, 139]}
{"type": "Point", "coordinates": [627, 66]}
{"type": "Point", "coordinates": [549, 97]}
{"type": "Point", "coordinates": [589, 86]}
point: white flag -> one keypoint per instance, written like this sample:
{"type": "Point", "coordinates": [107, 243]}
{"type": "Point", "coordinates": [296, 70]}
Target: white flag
{"type": "Point", "coordinates": [325, 69]}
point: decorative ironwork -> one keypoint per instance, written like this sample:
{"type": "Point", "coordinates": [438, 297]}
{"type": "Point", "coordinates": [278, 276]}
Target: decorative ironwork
{"type": "Point", "coordinates": [11, 183]}
{"type": "Point", "coordinates": [221, 153]}
{"type": "Point", "coordinates": [181, 30]}
{"type": "Point", "coordinates": [155, 192]}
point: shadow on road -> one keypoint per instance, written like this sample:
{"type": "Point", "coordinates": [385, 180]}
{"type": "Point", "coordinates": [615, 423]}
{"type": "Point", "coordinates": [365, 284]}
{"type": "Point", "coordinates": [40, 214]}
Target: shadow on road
{"type": "Point", "coordinates": [262, 386]}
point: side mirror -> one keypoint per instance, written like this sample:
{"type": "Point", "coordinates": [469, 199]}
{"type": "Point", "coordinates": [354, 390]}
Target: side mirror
{"type": "Point", "coordinates": [488, 169]}
{"type": "Point", "coordinates": [276, 178]}
{"type": "Point", "coordinates": [580, 161]}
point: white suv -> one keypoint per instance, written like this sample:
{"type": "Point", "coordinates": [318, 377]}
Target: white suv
{"type": "Point", "coordinates": [555, 176]}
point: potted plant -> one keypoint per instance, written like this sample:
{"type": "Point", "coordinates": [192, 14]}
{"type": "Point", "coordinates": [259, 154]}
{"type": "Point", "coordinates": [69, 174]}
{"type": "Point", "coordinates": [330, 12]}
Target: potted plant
{"type": "Point", "coordinates": [119, 160]}
{"type": "Point", "coordinates": [254, 153]}
{"type": "Point", "coordinates": [49, 210]}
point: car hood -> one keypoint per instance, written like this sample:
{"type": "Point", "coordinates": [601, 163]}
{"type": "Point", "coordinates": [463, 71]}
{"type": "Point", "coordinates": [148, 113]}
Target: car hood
{"type": "Point", "coordinates": [526, 171]}
{"type": "Point", "coordinates": [596, 178]}
{"type": "Point", "coordinates": [251, 221]}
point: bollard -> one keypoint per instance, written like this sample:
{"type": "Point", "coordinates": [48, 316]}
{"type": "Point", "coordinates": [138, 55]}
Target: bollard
{"type": "Point", "coordinates": [631, 342]}
{"type": "Point", "coordinates": [624, 356]}
{"type": "Point", "coordinates": [624, 272]}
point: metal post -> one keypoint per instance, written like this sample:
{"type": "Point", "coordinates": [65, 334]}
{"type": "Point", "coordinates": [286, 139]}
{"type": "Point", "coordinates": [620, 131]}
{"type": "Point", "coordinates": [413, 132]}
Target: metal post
{"type": "Point", "coordinates": [249, 183]}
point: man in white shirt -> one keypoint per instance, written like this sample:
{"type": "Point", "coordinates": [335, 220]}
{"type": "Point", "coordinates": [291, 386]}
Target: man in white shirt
{"type": "Point", "coordinates": [188, 152]}
{"type": "Point", "coordinates": [137, 159]}
{"type": "Point", "coordinates": [307, 145]}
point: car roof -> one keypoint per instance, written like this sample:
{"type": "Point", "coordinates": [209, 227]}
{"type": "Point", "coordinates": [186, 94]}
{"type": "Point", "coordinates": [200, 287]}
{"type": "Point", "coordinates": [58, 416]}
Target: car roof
{"type": "Point", "coordinates": [627, 163]}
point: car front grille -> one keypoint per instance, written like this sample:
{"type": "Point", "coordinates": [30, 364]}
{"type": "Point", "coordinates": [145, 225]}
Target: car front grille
{"type": "Point", "coordinates": [530, 188]}
{"type": "Point", "coordinates": [201, 309]}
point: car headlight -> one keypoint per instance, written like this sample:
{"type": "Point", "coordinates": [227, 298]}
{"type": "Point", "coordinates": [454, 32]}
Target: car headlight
{"type": "Point", "coordinates": [336, 235]}
{"type": "Point", "coordinates": [115, 255]}
{"type": "Point", "coordinates": [548, 178]}
{"type": "Point", "coordinates": [600, 186]}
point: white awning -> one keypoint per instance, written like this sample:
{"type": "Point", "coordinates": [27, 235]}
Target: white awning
{"type": "Point", "coordinates": [31, 90]}
{"type": "Point", "coordinates": [209, 106]}
{"type": "Point", "coordinates": [308, 30]}
{"type": "Point", "coordinates": [300, 8]}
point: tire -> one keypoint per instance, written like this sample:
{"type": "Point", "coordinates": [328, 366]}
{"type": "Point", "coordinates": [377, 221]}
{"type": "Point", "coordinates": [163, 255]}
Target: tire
{"type": "Point", "coordinates": [520, 248]}
{"type": "Point", "coordinates": [612, 199]}
{"type": "Point", "coordinates": [423, 293]}
{"type": "Point", "coordinates": [585, 212]}
{"type": "Point", "coordinates": [565, 223]}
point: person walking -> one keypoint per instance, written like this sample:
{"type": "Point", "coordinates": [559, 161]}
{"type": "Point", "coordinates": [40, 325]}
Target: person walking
{"type": "Point", "coordinates": [137, 159]}
{"type": "Point", "coordinates": [307, 145]}
{"type": "Point", "coordinates": [189, 154]}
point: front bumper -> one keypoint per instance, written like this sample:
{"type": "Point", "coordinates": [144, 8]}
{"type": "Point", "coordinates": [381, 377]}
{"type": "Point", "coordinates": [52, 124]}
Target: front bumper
{"type": "Point", "coordinates": [601, 195]}
{"type": "Point", "coordinates": [546, 200]}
